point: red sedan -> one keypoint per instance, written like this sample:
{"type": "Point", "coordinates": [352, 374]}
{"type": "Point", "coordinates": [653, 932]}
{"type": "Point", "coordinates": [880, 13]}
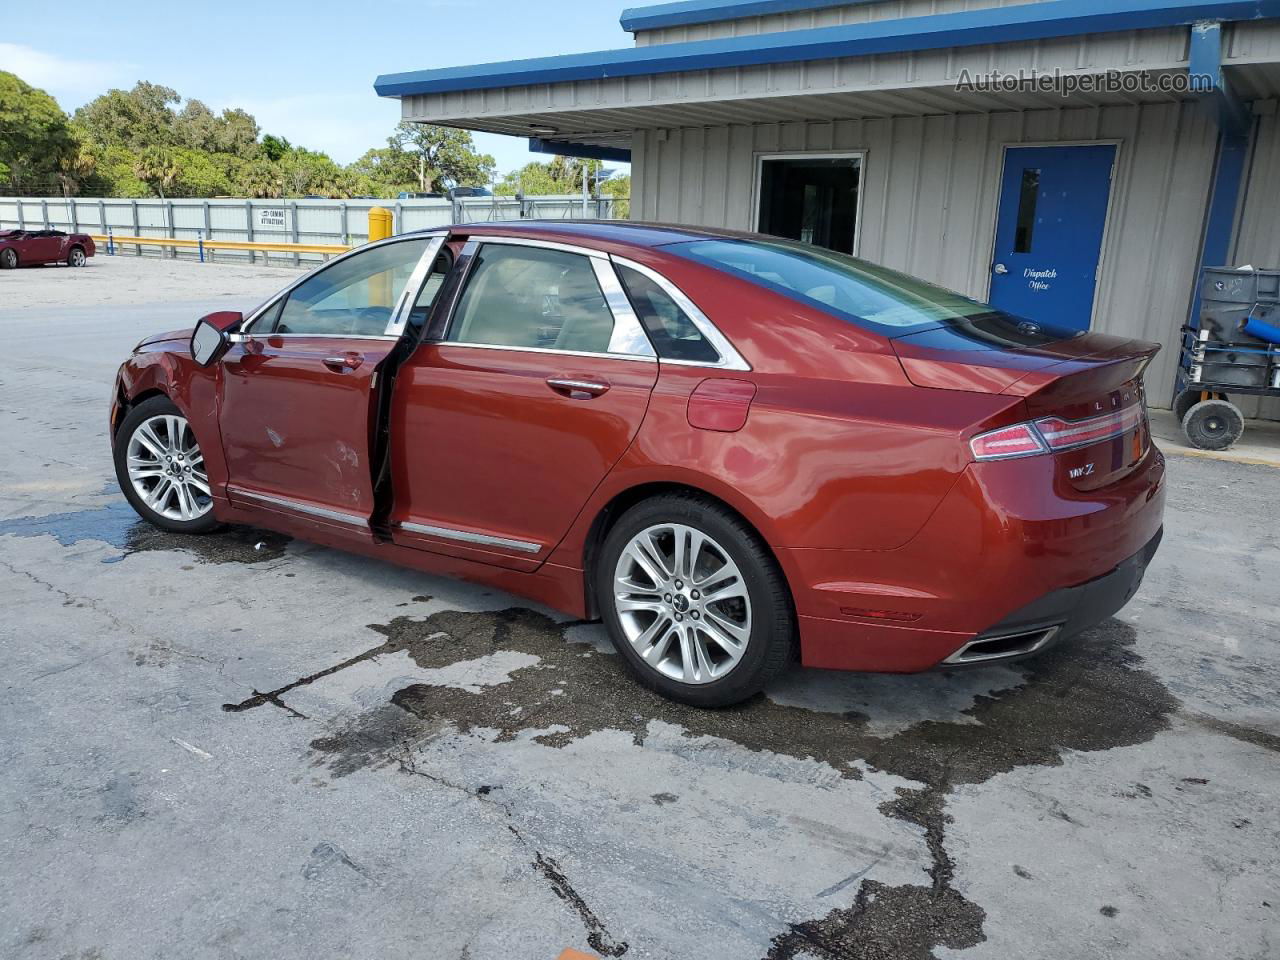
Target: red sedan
{"type": "Point", "coordinates": [732, 449]}
{"type": "Point", "coordinates": [26, 248]}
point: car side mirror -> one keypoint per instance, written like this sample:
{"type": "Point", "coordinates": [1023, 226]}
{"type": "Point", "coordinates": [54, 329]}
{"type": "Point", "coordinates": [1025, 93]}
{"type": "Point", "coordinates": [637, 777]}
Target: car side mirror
{"type": "Point", "coordinates": [211, 338]}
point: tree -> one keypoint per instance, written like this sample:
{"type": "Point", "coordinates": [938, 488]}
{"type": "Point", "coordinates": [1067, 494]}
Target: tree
{"type": "Point", "coordinates": [158, 168]}
{"type": "Point", "coordinates": [35, 137]}
{"type": "Point", "coordinates": [77, 163]}
{"type": "Point", "coordinates": [138, 119]}
{"type": "Point", "coordinates": [441, 157]}
{"type": "Point", "coordinates": [238, 133]}
{"type": "Point", "coordinates": [275, 147]}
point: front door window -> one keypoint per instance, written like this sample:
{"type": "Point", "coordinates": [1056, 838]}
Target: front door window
{"type": "Point", "coordinates": [353, 298]}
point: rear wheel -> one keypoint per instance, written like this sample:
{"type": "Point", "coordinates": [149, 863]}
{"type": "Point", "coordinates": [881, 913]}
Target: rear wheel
{"type": "Point", "coordinates": [76, 257]}
{"type": "Point", "coordinates": [161, 469]}
{"type": "Point", "coordinates": [8, 259]}
{"type": "Point", "coordinates": [1213, 424]}
{"type": "Point", "coordinates": [694, 602]}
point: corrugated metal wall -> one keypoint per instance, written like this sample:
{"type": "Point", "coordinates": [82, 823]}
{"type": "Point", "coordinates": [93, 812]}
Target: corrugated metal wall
{"type": "Point", "coordinates": [827, 17]}
{"type": "Point", "coordinates": [931, 189]}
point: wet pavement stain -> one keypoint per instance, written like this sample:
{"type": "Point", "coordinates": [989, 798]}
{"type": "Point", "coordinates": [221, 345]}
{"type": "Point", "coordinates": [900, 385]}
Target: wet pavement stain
{"type": "Point", "coordinates": [1090, 694]}
{"type": "Point", "coordinates": [119, 526]}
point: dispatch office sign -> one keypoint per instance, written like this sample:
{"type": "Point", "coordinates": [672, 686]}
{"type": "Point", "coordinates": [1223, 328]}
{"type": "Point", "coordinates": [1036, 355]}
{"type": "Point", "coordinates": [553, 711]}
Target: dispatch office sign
{"type": "Point", "coordinates": [271, 218]}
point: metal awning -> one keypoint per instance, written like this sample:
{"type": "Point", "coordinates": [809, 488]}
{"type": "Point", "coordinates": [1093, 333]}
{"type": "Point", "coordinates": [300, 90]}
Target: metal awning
{"type": "Point", "coordinates": [904, 67]}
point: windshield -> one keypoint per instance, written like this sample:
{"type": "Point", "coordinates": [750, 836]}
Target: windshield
{"type": "Point", "coordinates": [884, 300]}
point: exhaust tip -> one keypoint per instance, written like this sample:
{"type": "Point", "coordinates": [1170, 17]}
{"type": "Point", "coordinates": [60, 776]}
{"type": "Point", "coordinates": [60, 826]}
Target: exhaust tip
{"type": "Point", "coordinates": [1006, 647]}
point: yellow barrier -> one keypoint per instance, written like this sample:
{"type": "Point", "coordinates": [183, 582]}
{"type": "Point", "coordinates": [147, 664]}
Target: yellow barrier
{"type": "Point", "coordinates": [327, 248]}
{"type": "Point", "coordinates": [381, 223]}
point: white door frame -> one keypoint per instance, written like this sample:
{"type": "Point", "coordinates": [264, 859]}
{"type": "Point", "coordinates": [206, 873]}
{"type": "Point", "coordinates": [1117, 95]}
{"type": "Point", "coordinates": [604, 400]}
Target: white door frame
{"type": "Point", "coordinates": [758, 179]}
{"type": "Point", "coordinates": [1103, 250]}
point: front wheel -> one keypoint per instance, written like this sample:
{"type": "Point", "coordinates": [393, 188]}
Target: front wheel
{"type": "Point", "coordinates": [76, 257]}
{"type": "Point", "coordinates": [161, 469]}
{"type": "Point", "coordinates": [694, 602]}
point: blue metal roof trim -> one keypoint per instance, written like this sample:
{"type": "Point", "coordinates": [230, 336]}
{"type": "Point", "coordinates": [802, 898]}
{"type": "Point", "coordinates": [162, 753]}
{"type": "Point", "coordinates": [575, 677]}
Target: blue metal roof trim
{"type": "Point", "coordinates": [1033, 21]}
{"type": "Point", "coordinates": [562, 148]}
{"type": "Point", "coordinates": [686, 12]}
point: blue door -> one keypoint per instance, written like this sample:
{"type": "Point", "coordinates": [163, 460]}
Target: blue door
{"type": "Point", "coordinates": [1053, 211]}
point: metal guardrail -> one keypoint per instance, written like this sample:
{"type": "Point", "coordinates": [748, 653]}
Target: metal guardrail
{"type": "Point", "coordinates": [110, 241]}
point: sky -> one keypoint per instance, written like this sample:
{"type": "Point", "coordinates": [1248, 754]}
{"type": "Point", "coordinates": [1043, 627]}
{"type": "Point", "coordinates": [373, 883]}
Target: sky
{"type": "Point", "coordinates": [304, 70]}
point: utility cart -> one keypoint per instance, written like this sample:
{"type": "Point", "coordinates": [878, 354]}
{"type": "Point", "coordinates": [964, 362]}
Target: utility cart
{"type": "Point", "coordinates": [1233, 351]}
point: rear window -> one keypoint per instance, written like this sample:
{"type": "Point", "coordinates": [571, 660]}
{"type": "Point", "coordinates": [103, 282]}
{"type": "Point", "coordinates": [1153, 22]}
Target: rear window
{"type": "Point", "coordinates": [889, 302]}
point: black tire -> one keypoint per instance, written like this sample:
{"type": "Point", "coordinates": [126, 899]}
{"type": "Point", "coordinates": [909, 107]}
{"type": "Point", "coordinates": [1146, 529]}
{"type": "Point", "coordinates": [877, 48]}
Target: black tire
{"type": "Point", "coordinates": [771, 641]}
{"type": "Point", "coordinates": [156, 406]}
{"type": "Point", "coordinates": [1184, 401]}
{"type": "Point", "coordinates": [1213, 425]}
{"type": "Point", "coordinates": [8, 259]}
{"type": "Point", "coordinates": [76, 257]}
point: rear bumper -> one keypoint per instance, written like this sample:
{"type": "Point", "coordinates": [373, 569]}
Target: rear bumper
{"type": "Point", "coordinates": [1010, 550]}
{"type": "Point", "coordinates": [1059, 615]}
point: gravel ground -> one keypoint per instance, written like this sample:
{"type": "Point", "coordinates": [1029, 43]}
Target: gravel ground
{"type": "Point", "coordinates": [242, 746]}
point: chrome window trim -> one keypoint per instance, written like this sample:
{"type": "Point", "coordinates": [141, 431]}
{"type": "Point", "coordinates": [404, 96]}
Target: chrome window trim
{"type": "Point", "coordinates": [354, 520]}
{"type": "Point", "coordinates": [413, 287]}
{"type": "Point", "coordinates": [535, 242]}
{"type": "Point", "coordinates": [280, 294]}
{"type": "Point", "coordinates": [628, 337]}
{"type": "Point", "coordinates": [244, 337]}
{"type": "Point", "coordinates": [470, 536]}
{"type": "Point", "coordinates": [730, 358]}
{"type": "Point", "coordinates": [559, 353]}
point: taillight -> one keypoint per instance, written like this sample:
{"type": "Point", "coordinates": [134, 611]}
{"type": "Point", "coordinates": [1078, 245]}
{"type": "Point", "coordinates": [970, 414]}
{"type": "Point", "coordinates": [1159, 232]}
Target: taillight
{"type": "Point", "coordinates": [1064, 434]}
{"type": "Point", "coordinates": [1020, 440]}
{"type": "Point", "coordinates": [1053, 434]}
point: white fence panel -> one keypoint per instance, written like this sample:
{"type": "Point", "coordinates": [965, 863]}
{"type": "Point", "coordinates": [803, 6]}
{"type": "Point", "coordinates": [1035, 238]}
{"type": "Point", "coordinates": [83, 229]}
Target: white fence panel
{"type": "Point", "coordinates": [339, 222]}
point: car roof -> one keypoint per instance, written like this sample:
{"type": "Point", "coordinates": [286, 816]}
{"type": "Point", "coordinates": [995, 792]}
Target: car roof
{"type": "Point", "coordinates": [633, 233]}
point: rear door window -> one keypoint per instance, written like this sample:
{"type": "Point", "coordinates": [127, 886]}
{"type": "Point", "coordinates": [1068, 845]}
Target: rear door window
{"type": "Point", "coordinates": [519, 296]}
{"type": "Point", "coordinates": [673, 334]}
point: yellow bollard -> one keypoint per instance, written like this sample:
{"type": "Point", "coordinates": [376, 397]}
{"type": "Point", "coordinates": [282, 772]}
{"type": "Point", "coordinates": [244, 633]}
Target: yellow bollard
{"type": "Point", "coordinates": [380, 221]}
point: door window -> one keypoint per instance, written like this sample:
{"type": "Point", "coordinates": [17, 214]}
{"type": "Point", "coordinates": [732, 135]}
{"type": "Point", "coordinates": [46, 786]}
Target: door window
{"type": "Point", "coordinates": [1028, 200]}
{"type": "Point", "coordinates": [673, 334]}
{"type": "Point", "coordinates": [520, 296]}
{"type": "Point", "coordinates": [355, 297]}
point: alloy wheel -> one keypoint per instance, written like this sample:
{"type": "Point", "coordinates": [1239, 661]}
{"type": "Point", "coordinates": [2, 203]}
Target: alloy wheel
{"type": "Point", "coordinates": [166, 468]}
{"type": "Point", "coordinates": [77, 258]}
{"type": "Point", "coordinates": [683, 603]}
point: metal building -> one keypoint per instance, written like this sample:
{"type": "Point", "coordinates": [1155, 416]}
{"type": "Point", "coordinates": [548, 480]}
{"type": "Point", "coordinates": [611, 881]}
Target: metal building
{"type": "Point", "coordinates": [1074, 159]}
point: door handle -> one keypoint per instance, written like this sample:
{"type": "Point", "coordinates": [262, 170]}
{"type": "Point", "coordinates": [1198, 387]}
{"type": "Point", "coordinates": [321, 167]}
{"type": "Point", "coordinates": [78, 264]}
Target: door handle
{"type": "Point", "coordinates": [578, 389]}
{"type": "Point", "coordinates": [348, 361]}
{"type": "Point", "coordinates": [1000, 269]}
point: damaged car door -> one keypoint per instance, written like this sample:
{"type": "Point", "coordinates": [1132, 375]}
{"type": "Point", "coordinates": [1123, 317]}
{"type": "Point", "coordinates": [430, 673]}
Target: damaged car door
{"type": "Point", "coordinates": [298, 385]}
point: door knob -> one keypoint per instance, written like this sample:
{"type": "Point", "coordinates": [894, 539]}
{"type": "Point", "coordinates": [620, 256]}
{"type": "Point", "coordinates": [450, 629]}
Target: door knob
{"type": "Point", "coordinates": [348, 361]}
{"type": "Point", "coordinates": [578, 388]}
{"type": "Point", "coordinates": [1000, 269]}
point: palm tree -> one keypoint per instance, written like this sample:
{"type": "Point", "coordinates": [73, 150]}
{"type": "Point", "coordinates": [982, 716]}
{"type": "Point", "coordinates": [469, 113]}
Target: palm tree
{"type": "Point", "coordinates": [158, 169]}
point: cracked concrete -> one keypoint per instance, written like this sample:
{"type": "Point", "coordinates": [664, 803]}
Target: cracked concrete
{"type": "Point", "coordinates": [210, 747]}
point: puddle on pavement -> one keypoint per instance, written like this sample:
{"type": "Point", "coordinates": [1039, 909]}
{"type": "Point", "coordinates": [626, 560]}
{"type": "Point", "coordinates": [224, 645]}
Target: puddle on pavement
{"type": "Point", "coordinates": [1089, 694]}
{"type": "Point", "coordinates": [119, 526]}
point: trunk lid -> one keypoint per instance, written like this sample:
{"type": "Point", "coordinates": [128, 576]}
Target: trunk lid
{"type": "Point", "coordinates": [1085, 394]}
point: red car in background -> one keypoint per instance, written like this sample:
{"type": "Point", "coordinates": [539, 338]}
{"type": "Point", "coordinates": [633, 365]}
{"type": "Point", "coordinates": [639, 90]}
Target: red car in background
{"type": "Point", "coordinates": [730, 448]}
{"type": "Point", "coordinates": [26, 248]}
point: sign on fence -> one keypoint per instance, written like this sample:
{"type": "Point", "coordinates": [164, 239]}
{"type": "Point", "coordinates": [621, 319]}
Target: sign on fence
{"type": "Point", "coordinates": [271, 218]}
